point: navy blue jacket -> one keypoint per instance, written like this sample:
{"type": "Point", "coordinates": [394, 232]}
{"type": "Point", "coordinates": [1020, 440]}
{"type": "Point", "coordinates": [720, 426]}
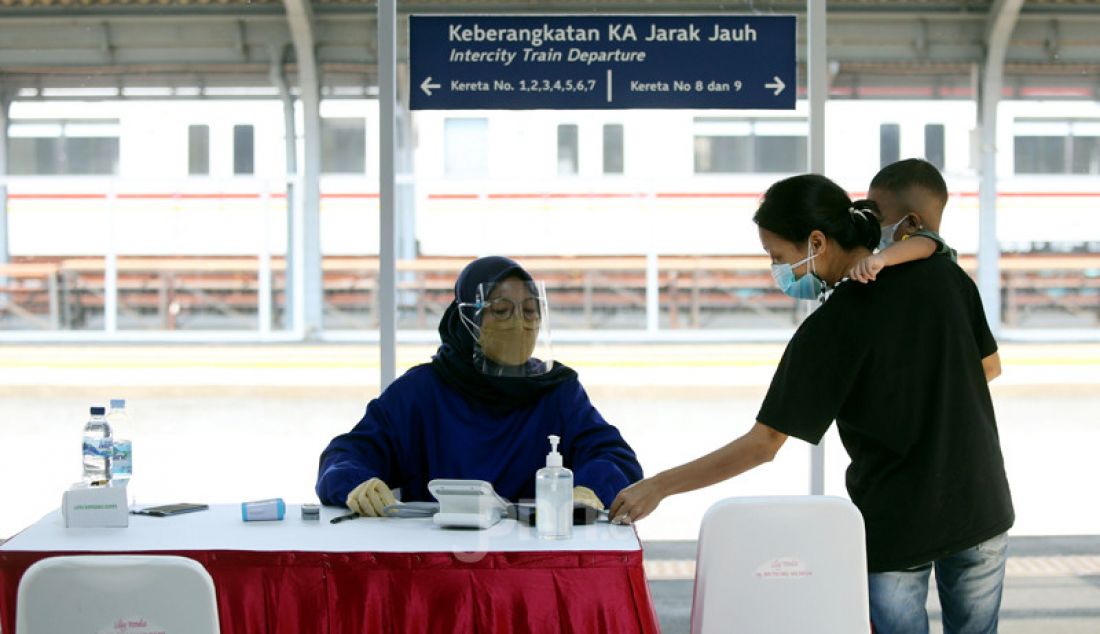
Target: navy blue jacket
{"type": "Point", "coordinates": [420, 429]}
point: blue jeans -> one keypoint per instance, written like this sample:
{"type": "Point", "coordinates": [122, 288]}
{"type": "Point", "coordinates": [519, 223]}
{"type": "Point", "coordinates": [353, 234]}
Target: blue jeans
{"type": "Point", "coordinates": [969, 583]}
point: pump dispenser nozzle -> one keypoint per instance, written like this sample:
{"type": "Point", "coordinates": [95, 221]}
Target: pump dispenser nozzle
{"type": "Point", "coordinates": [553, 459]}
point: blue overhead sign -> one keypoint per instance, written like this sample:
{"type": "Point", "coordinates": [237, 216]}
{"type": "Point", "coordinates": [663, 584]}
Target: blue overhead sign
{"type": "Point", "coordinates": [602, 62]}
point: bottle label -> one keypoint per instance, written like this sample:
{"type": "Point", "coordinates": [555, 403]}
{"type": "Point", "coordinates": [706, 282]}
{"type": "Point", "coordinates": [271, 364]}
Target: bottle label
{"type": "Point", "coordinates": [122, 456]}
{"type": "Point", "coordinates": [101, 448]}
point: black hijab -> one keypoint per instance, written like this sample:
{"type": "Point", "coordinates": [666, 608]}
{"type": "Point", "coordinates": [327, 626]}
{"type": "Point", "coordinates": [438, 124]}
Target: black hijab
{"type": "Point", "coordinates": [454, 361]}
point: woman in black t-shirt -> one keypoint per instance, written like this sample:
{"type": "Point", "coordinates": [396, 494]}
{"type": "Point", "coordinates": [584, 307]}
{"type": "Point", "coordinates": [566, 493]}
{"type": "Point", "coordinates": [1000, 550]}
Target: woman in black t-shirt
{"type": "Point", "coordinates": [897, 363]}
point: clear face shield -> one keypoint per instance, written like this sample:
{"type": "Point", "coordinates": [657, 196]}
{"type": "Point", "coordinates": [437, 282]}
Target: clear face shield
{"type": "Point", "coordinates": [510, 323]}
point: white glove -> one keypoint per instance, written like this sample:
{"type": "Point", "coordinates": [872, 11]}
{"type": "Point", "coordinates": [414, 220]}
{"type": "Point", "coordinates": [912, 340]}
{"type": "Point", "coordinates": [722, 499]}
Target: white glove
{"type": "Point", "coordinates": [587, 496]}
{"type": "Point", "coordinates": [370, 498]}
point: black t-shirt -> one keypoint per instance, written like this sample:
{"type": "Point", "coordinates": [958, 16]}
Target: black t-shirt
{"type": "Point", "coordinates": [898, 364]}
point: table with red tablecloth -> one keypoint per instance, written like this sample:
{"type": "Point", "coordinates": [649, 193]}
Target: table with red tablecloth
{"type": "Point", "coordinates": [374, 575]}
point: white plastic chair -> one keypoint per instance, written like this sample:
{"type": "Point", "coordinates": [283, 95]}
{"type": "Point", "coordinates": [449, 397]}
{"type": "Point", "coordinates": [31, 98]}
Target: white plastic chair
{"type": "Point", "coordinates": [89, 594]}
{"type": "Point", "coordinates": [781, 565]}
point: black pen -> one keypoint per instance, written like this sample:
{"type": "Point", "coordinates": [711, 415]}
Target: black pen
{"type": "Point", "coordinates": [338, 519]}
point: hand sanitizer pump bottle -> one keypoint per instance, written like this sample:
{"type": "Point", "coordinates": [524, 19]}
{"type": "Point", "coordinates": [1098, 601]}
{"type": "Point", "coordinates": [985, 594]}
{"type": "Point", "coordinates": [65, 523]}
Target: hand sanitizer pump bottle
{"type": "Point", "coordinates": [554, 497]}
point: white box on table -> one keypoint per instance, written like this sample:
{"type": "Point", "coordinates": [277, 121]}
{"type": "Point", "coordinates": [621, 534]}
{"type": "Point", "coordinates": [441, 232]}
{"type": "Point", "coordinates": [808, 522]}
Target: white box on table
{"type": "Point", "coordinates": [86, 506]}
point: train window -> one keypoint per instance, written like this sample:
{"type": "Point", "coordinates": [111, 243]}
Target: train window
{"type": "Point", "coordinates": [724, 146]}
{"type": "Point", "coordinates": [613, 148]}
{"type": "Point", "coordinates": [1045, 146]}
{"type": "Point", "coordinates": [244, 149]}
{"type": "Point", "coordinates": [779, 154]}
{"type": "Point", "coordinates": [1086, 154]}
{"type": "Point", "coordinates": [198, 150]}
{"type": "Point", "coordinates": [1040, 154]}
{"type": "Point", "coordinates": [568, 149]}
{"type": "Point", "coordinates": [723, 154]}
{"type": "Point", "coordinates": [44, 148]}
{"type": "Point", "coordinates": [889, 144]}
{"type": "Point", "coordinates": [343, 146]}
{"type": "Point", "coordinates": [934, 144]}
{"type": "Point", "coordinates": [466, 147]}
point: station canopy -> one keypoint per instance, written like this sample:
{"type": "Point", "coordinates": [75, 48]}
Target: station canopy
{"type": "Point", "coordinates": [152, 49]}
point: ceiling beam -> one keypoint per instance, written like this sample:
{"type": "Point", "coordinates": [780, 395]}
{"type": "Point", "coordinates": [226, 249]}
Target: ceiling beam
{"type": "Point", "coordinates": [933, 49]}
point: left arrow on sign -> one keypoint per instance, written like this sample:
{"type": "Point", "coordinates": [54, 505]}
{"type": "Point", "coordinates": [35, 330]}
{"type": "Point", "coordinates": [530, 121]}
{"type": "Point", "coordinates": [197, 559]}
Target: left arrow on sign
{"type": "Point", "coordinates": [427, 86]}
{"type": "Point", "coordinates": [778, 85]}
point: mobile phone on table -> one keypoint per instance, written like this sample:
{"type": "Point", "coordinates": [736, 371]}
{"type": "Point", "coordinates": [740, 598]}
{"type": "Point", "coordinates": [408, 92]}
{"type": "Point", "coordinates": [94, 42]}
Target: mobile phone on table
{"type": "Point", "coordinates": [170, 509]}
{"type": "Point", "coordinates": [582, 514]}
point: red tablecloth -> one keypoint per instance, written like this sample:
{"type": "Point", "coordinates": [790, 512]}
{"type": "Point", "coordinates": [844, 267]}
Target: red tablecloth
{"type": "Point", "coordinates": [347, 593]}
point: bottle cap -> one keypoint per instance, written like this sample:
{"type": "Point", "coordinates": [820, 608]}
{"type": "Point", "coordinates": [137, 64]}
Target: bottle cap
{"type": "Point", "coordinates": [98, 411]}
{"type": "Point", "coordinates": [118, 403]}
{"type": "Point", "coordinates": [553, 459]}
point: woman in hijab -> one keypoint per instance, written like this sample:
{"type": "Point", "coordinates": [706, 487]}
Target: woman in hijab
{"type": "Point", "coordinates": [482, 409]}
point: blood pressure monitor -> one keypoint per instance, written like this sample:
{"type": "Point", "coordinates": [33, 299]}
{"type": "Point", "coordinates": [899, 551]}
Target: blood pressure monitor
{"type": "Point", "coordinates": [467, 503]}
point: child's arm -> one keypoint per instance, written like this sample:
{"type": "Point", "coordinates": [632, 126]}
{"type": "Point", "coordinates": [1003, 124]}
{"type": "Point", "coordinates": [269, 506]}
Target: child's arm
{"type": "Point", "coordinates": [912, 248]}
{"type": "Point", "coordinates": [991, 365]}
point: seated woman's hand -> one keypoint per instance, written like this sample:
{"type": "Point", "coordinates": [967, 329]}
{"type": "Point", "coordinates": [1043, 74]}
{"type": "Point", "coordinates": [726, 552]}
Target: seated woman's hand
{"type": "Point", "coordinates": [588, 497]}
{"type": "Point", "coordinates": [370, 498]}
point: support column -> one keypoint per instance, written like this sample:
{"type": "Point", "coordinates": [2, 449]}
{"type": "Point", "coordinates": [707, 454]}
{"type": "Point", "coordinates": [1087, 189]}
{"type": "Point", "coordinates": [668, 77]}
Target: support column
{"type": "Point", "coordinates": [405, 225]}
{"type": "Point", "coordinates": [278, 77]}
{"type": "Point", "coordinates": [817, 76]}
{"type": "Point", "coordinates": [308, 292]}
{"type": "Point", "coordinates": [817, 79]}
{"type": "Point", "coordinates": [387, 236]}
{"type": "Point", "coordinates": [1002, 21]}
{"type": "Point", "coordinates": [652, 289]}
{"type": "Point", "coordinates": [110, 265]}
{"type": "Point", "coordinates": [263, 266]}
{"type": "Point", "coordinates": [406, 246]}
{"type": "Point", "coordinates": [5, 104]}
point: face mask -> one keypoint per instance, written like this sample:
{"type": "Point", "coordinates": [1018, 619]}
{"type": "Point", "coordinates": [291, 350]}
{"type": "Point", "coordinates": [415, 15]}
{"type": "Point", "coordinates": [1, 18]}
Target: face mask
{"type": "Point", "coordinates": [888, 232]}
{"type": "Point", "coordinates": [509, 340]}
{"type": "Point", "coordinates": [806, 287]}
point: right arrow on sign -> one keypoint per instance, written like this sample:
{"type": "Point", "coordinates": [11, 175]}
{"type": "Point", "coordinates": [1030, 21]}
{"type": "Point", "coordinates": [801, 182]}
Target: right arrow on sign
{"type": "Point", "coordinates": [427, 86]}
{"type": "Point", "coordinates": [778, 85]}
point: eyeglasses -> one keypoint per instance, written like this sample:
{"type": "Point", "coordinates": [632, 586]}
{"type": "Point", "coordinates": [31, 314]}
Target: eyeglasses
{"type": "Point", "coordinates": [502, 309]}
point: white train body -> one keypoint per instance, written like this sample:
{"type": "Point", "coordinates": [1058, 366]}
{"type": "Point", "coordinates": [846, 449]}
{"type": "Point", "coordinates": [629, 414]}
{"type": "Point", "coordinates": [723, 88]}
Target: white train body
{"type": "Point", "coordinates": [517, 182]}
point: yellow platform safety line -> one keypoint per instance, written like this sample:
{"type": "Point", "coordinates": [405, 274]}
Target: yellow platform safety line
{"type": "Point", "coordinates": [359, 356]}
{"type": "Point", "coordinates": [1045, 566]}
{"type": "Point", "coordinates": [131, 364]}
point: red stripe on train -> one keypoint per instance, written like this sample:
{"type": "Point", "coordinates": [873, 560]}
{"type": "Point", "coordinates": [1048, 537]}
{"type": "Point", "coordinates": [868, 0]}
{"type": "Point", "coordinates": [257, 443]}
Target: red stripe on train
{"type": "Point", "coordinates": [496, 196]}
{"type": "Point", "coordinates": [514, 196]}
{"type": "Point", "coordinates": [176, 196]}
{"type": "Point", "coordinates": [184, 196]}
{"type": "Point", "coordinates": [1033, 194]}
{"type": "Point", "coordinates": [709, 194]}
{"type": "Point", "coordinates": [55, 196]}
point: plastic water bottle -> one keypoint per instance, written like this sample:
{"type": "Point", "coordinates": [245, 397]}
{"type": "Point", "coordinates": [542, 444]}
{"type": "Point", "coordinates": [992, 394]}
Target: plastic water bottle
{"type": "Point", "coordinates": [98, 446]}
{"type": "Point", "coordinates": [554, 497]}
{"type": "Point", "coordinates": [122, 465]}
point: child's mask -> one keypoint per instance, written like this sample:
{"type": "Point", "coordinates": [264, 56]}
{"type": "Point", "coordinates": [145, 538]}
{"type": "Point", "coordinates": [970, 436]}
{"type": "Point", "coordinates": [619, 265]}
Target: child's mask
{"type": "Point", "coordinates": [888, 232]}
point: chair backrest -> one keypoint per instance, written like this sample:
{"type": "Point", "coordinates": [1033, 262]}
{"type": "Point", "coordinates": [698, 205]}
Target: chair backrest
{"type": "Point", "coordinates": [779, 565]}
{"type": "Point", "coordinates": [137, 594]}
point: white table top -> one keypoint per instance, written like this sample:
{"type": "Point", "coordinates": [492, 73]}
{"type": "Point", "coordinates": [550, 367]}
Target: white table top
{"type": "Point", "coordinates": [221, 528]}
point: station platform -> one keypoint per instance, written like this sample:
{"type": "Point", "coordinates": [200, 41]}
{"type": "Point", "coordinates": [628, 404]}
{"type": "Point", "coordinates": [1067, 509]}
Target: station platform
{"type": "Point", "coordinates": [258, 417]}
